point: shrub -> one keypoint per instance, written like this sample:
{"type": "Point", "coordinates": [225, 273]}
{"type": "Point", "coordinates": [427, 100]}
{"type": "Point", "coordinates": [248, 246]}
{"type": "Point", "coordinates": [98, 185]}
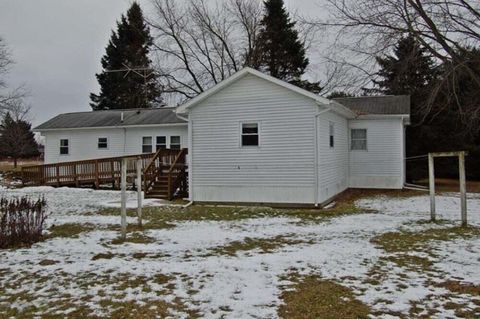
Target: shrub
{"type": "Point", "coordinates": [21, 221]}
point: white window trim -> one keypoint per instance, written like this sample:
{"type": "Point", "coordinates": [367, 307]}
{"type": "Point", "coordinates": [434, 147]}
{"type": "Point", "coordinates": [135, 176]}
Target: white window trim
{"type": "Point", "coordinates": [366, 139]}
{"type": "Point", "coordinates": [240, 134]}
{"type": "Point", "coordinates": [151, 144]}
{"type": "Point", "coordinates": [156, 141]}
{"type": "Point", "coordinates": [60, 147]}
{"type": "Point", "coordinates": [170, 141]}
{"type": "Point", "coordinates": [103, 148]}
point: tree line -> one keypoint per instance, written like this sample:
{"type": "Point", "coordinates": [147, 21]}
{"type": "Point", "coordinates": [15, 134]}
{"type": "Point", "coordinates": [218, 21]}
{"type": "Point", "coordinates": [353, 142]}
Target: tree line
{"type": "Point", "coordinates": [426, 49]}
{"type": "Point", "coordinates": [16, 137]}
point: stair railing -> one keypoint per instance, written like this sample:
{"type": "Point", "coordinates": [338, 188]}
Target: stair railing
{"type": "Point", "coordinates": [177, 174]}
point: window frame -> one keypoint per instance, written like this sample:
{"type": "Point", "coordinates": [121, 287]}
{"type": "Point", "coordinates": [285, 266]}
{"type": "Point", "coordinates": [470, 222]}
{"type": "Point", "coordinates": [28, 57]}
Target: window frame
{"type": "Point", "coordinates": [258, 124]}
{"type": "Point", "coordinates": [144, 145]}
{"type": "Point", "coordinates": [179, 142]}
{"type": "Point", "coordinates": [106, 143]}
{"type": "Point", "coordinates": [358, 139]}
{"type": "Point", "coordinates": [157, 144]}
{"type": "Point", "coordinates": [331, 134]}
{"type": "Point", "coordinates": [63, 146]}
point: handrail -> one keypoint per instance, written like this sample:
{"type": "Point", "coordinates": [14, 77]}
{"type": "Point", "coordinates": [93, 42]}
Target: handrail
{"type": "Point", "coordinates": [105, 159]}
{"type": "Point", "coordinates": [171, 186]}
{"type": "Point", "coordinates": [152, 161]}
{"type": "Point", "coordinates": [176, 160]}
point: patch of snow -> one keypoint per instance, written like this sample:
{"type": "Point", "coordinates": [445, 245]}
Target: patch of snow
{"type": "Point", "coordinates": [249, 283]}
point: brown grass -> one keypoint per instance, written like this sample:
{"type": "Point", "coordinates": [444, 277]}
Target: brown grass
{"type": "Point", "coordinates": [265, 245]}
{"type": "Point", "coordinates": [451, 185]}
{"type": "Point", "coordinates": [315, 298]}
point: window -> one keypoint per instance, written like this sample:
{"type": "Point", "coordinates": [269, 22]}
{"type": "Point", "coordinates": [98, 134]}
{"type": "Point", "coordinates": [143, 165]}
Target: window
{"type": "Point", "coordinates": [102, 143]}
{"type": "Point", "coordinates": [249, 134]}
{"type": "Point", "coordinates": [175, 142]}
{"type": "Point", "coordinates": [358, 139]}
{"type": "Point", "coordinates": [332, 134]}
{"type": "Point", "coordinates": [161, 143]}
{"type": "Point", "coordinates": [147, 144]}
{"type": "Point", "coordinates": [63, 147]}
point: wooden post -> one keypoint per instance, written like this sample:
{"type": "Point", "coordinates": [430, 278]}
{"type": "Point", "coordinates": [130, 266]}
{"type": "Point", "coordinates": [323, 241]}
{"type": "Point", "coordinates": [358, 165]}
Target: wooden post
{"type": "Point", "coordinates": [431, 182]}
{"type": "Point", "coordinates": [139, 191]}
{"type": "Point", "coordinates": [463, 187]}
{"type": "Point", "coordinates": [124, 198]}
{"type": "Point", "coordinates": [97, 182]}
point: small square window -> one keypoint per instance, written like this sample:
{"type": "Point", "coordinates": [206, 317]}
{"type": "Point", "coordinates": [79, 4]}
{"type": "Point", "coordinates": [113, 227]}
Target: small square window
{"type": "Point", "coordinates": [250, 134]}
{"type": "Point", "coordinates": [102, 143]}
{"type": "Point", "coordinates": [147, 144]}
{"type": "Point", "coordinates": [358, 139]}
{"type": "Point", "coordinates": [161, 143]}
{"type": "Point", "coordinates": [175, 142]}
{"type": "Point", "coordinates": [332, 134]}
{"type": "Point", "coordinates": [64, 147]}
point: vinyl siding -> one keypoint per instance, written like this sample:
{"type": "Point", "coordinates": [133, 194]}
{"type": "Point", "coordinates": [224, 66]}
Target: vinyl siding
{"type": "Point", "coordinates": [382, 164]}
{"type": "Point", "coordinates": [83, 142]}
{"type": "Point", "coordinates": [333, 162]}
{"type": "Point", "coordinates": [281, 169]}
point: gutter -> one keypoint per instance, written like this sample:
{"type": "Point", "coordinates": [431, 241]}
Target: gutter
{"type": "Point", "coordinates": [190, 159]}
{"type": "Point", "coordinates": [316, 153]}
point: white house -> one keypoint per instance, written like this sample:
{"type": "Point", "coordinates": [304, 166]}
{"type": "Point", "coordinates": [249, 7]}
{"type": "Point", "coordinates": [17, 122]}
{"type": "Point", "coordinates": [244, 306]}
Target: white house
{"type": "Point", "coordinates": [254, 138]}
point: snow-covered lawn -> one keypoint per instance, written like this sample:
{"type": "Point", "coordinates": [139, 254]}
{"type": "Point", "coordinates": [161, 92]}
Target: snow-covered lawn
{"type": "Point", "coordinates": [238, 267]}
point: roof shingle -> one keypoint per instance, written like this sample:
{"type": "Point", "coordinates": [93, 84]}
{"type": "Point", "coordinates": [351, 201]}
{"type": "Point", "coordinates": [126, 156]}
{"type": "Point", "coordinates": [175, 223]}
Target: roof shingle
{"type": "Point", "coordinates": [377, 105]}
{"type": "Point", "coordinates": [109, 118]}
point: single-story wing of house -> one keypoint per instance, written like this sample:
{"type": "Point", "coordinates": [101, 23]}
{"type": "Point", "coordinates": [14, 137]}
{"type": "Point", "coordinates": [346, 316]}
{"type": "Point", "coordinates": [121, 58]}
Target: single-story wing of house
{"type": "Point", "coordinates": [253, 139]}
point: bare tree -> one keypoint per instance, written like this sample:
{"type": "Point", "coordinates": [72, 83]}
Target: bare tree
{"type": "Point", "coordinates": [446, 28]}
{"type": "Point", "coordinates": [199, 45]}
{"type": "Point", "coordinates": [11, 100]}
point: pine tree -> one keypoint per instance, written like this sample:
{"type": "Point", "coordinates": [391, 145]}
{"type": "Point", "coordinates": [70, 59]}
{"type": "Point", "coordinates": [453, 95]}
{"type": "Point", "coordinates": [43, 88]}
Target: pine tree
{"type": "Point", "coordinates": [279, 51]}
{"type": "Point", "coordinates": [408, 71]}
{"type": "Point", "coordinates": [17, 139]}
{"type": "Point", "coordinates": [128, 47]}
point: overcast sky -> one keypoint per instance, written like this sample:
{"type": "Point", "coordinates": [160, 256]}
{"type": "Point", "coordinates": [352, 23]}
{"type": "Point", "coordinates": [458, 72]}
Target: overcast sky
{"type": "Point", "coordinates": [57, 46]}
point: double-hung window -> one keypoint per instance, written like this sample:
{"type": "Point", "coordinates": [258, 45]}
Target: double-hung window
{"type": "Point", "coordinates": [102, 143]}
{"type": "Point", "coordinates": [175, 142]}
{"type": "Point", "coordinates": [358, 139]}
{"type": "Point", "coordinates": [250, 136]}
{"type": "Point", "coordinates": [161, 143]}
{"type": "Point", "coordinates": [64, 147]}
{"type": "Point", "coordinates": [147, 144]}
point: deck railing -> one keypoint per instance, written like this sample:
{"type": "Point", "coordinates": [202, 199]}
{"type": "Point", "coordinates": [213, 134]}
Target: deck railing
{"type": "Point", "coordinates": [96, 171]}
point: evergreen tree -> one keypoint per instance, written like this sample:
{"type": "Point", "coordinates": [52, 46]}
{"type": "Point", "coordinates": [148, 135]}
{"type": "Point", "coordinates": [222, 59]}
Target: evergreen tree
{"type": "Point", "coordinates": [279, 51]}
{"type": "Point", "coordinates": [408, 71]}
{"type": "Point", "coordinates": [17, 139]}
{"type": "Point", "coordinates": [129, 47]}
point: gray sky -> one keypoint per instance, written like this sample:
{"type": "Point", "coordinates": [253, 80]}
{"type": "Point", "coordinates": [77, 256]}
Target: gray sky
{"type": "Point", "coordinates": [57, 46]}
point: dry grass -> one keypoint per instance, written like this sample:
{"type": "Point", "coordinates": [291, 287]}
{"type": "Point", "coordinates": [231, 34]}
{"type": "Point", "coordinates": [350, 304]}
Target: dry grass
{"type": "Point", "coordinates": [406, 241]}
{"type": "Point", "coordinates": [264, 245]}
{"type": "Point", "coordinates": [314, 298]}
{"type": "Point", "coordinates": [451, 185]}
{"type": "Point", "coordinates": [69, 230]}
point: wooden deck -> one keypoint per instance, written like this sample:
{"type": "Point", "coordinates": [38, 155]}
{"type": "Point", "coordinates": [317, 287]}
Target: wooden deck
{"type": "Point", "coordinates": [164, 165]}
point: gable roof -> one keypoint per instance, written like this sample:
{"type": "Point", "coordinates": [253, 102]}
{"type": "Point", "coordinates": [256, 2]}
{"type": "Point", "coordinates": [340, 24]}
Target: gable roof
{"type": "Point", "coordinates": [377, 105]}
{"type": "Point", "coordinates": [112, 118]}
{"type": "Point", "coordinates": [336, 107]}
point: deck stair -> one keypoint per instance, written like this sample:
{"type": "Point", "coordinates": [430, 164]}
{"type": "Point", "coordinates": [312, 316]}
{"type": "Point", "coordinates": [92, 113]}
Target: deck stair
{"type": "Point", "coordinates": [165, 173]}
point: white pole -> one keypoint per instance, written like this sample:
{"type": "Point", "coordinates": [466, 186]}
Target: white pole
{"type": "Point", "coordinates": [123, 184]}
{"type": "Point", "coordinates": [463, 187]}
{"type": "Point", "coordinates": [431, 182]}
{"type": "Point", "coordinates": [139, 191]}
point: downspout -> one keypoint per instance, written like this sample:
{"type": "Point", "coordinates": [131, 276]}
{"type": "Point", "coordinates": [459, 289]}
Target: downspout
{"type": "Point", "coordinates": [190, 161]}
{"type": "Point", "coordinates": [316, 154]}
